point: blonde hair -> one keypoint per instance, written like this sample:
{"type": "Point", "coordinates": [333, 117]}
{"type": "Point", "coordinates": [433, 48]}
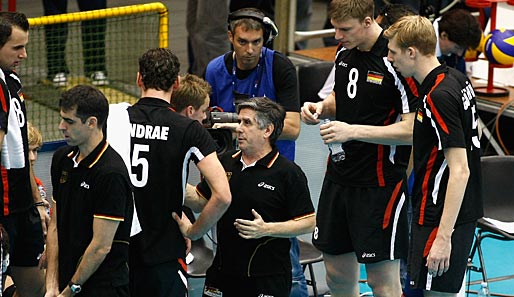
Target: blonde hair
{"type": "Point", "coordinates": [415, 31]}
{"type": "Point", "coordinates": [192, 91]}
{"type": "Point", "coordinates": [344, 10]}
{"type": "Point", "coordinates": [34, 135]}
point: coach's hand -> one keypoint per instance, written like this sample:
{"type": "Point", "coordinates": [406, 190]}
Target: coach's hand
{"type": "Point", "coordinates": [255, 228]}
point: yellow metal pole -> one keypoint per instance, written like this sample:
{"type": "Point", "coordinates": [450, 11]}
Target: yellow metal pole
{"type": "Point", "coordinates": [109, 13]}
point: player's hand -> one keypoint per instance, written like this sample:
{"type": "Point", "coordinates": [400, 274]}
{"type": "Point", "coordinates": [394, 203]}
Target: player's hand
{"type": "Point", "coordinates": [188, 245]}
{"type": "Point", "coordinates": [66, 292]}
{"type": "Point", "coordinates": [335, 131]}
{"type": "Point", "coordinates": [42, 260]}
{"type": "Point", "coordinates": [45, 218]}
{"type": "Point", "coordinates": [438, 260]}
{"type": "Point", "coordinates": [256, 228]}
{"type": "Point", "coordinates": [51, 293]}
{"type": "Point", "coordinates": [183, 222]}
{"type": "Point", "coordinates": [231, 126]}
{"type": "Point", "coordinates": [310, 112]}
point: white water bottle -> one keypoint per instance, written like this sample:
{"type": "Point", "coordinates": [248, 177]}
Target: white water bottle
{"type": "Point", "coordinates": [337, 153]}
{"type": "Point", "coordinates": [484, 290]}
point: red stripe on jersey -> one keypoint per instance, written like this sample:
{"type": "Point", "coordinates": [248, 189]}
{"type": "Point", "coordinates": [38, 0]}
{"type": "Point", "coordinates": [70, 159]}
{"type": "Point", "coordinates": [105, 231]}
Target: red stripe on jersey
{"type": "Point", "coordinates": [435, 112]}
{"type": "Point", "coordinates": [5, 197]}
{"type": "Point", "coordinates": [380, 165]}
{"type": "Point", "coordinates": [3, 101]}
{"type": "Point", "coordinates": [380, 154]}
{"type": "Point", "coordinates": [430, 242]}
{"type": "Point", "coordinates": [424, 187]}
{"type": "Point", "coordinates": [390, 204]}
{"type": "Point", "coordinates": [412, 86]}
{"type": "Point", "coordinates": [182, 264]}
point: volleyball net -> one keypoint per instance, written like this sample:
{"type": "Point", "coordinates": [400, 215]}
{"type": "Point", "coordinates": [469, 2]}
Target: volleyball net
{"type": "Point", "coordinates": [99, 47]}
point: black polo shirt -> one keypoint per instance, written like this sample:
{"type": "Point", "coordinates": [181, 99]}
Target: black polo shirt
{"type": "Point", "coordinates": [98, 187]}
{"type": "Point", "coordinates": [370, 92]}
{"type": "Point", "coordinates": [277, 189]}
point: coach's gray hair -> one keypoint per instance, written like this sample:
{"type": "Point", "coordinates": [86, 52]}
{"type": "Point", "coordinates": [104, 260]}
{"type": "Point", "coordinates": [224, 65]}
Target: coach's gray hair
{"type": "Point", "coordinates": [267, 113]}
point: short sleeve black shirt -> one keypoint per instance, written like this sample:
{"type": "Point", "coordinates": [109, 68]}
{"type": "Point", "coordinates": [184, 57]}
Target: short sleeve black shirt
{"type": "Point", "coordinates": [277, 189]}
{"type": "Point", "coordinates": [98, 187]}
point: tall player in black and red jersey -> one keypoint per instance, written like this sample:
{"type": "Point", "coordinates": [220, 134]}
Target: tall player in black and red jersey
{"type": "Point", "coordinates": [23, 211]}
{"type": "Point", "coordinates": [362, 211]}
{"type": "Point", "coordinates": [447, 189]}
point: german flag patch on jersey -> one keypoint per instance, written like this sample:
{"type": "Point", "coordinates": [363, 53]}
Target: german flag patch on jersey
{"type": "Point", "coordinates": [375, 77]}
{"type": "Point", "coordinates": [64, 177]}
{"type": "Point", "coordinates": [419, 116]}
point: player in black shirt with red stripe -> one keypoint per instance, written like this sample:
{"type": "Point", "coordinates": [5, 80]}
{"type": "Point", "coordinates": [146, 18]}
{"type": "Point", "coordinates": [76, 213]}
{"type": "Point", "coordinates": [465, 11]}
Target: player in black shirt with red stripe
{"type": "Point", "coordinates": [23, 213]}
{"type": "Point", "coordinates": [363, 197]}
{"type": "Point", "coordinates": [447, 190]}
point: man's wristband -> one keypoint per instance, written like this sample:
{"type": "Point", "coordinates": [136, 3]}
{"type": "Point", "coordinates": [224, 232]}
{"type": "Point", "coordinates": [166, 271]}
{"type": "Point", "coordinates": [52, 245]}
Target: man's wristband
{"type": "Point", "coordinates": [40, 203]}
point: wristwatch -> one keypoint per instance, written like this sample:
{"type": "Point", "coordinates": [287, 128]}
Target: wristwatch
{"type": "Point", "coordinates": [75, 288]}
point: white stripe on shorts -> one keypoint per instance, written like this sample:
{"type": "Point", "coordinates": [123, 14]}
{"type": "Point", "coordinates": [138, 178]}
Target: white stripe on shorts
{"type": "Point", "coordinates": [395, 225]}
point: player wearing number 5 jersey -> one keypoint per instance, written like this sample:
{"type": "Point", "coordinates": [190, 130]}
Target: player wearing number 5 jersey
{"type": "Point", "coordinates": [447, 190]}
{"type": "Point", "coordinates": [162, 143]}
{"type": "Point", "coordinates": [363, 196]}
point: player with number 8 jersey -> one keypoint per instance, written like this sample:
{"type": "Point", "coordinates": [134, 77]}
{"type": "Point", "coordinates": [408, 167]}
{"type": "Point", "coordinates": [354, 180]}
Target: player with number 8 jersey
{"type": "Point", "coordinates": [370, 92]}
{"type": "Point", "coordinates": [363, 197]}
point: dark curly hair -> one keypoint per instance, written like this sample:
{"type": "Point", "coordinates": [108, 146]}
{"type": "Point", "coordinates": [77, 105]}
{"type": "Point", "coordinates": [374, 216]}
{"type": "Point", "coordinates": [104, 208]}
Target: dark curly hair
{"type": "Point", "coordinates": [159, 69]}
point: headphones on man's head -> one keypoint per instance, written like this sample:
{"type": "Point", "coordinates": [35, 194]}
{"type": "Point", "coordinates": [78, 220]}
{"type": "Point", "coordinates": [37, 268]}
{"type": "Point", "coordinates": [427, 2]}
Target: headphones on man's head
{"type": "Point", "coordinates": [270, 29]}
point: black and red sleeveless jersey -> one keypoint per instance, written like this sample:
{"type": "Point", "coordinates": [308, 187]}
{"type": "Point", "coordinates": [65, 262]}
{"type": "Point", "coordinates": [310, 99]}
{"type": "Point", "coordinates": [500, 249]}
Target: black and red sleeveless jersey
{"type": "Point", "coordinates": [447, 117]}
{"type": "Point", "coordinates": [370, 92]}
{"type": "Point", "coordinates": [15, 188]}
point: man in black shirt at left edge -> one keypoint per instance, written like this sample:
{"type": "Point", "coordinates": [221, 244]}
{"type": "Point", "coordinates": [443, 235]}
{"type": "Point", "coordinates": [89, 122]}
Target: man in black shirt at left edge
{"type": "Point", "coordinates": [88, 238]}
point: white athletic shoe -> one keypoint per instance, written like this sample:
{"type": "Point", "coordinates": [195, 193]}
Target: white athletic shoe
{"type": "Point", "coordinates": [59, 80]}
{"type": "Point", "coordinates": [98, 78]}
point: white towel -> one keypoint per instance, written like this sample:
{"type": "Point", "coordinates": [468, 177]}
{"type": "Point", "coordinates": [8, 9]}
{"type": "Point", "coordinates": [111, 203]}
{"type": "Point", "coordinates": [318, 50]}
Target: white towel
{"type": "Point", "coordinates": [118, 136]}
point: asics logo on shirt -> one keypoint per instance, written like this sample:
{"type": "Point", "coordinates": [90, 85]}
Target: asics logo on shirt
{"type": "Point", "coordinates": [84, 185]}
{"type": "Point", "coordinates": [266, 186]}
{"type": "Point", "coordinates": [342, 64]}
{"type": "Point", "coordinates": [368, 255]}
